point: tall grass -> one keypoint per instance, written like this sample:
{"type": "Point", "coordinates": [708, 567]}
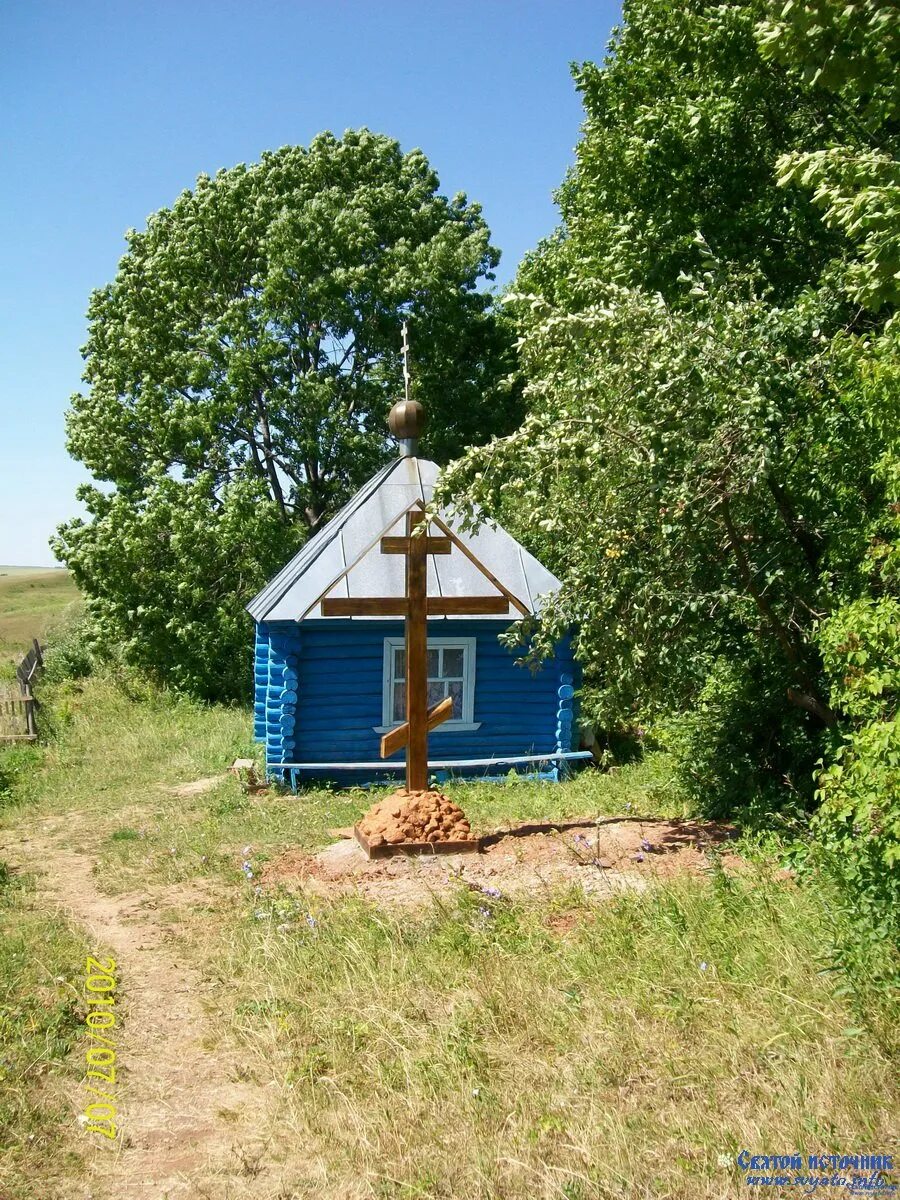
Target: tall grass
{"type": "Point", "coordinates": [41, 960]}
{"type": "Point", "coordinates": [474, 1052]}
{"type": "Point", "coordinates": [30, 601]}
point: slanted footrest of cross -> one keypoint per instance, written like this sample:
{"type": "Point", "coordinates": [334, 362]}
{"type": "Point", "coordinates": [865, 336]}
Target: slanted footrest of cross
{"type": "Point", "coordinates": [396, 738]}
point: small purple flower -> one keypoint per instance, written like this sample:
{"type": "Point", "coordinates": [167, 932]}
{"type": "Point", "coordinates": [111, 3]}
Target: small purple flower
{"type": "Point", "coordinates": [582, 840]}
{"type": "Point", "coordinates": [639, 857]}
{"type": "Point", "coordinates": [493, 892]}
{"type": "Point", "coordinates": [486, 912]}
{"type": "Point", "coordinates": [311, 921]}
{"type": "Point", "coordinates": [640, 732]}
{"type": "Point", "coordinates": [645, 845]}
{"type": "Point", "coordinates": [704, 966]}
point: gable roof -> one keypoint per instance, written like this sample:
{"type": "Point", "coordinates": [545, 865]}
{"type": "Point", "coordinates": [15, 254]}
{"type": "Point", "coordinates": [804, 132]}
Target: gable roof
{"type": "Point", "coordinates": [344, 557]}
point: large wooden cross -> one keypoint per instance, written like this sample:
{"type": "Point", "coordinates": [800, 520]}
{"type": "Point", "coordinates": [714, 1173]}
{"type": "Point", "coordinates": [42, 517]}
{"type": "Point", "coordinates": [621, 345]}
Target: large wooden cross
{"type": "Point", "coordinates": [416, 607]}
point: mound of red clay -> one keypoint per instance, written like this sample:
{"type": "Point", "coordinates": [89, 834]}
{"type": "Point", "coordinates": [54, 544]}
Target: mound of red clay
{"type": "Point", "coordinates": [415, 817]}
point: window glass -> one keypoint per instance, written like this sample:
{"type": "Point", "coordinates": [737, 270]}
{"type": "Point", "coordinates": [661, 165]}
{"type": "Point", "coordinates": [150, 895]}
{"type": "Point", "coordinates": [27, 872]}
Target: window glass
{"type": "Point", "coordinates": [449, 674]}
{"type": "Point", "coordinates": [452, 666]}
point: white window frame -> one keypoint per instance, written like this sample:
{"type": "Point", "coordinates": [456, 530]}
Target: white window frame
{"type": "Point", "coordinates": [467, 645]}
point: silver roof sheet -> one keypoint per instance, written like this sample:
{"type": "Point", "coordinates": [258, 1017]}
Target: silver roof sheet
{"type": "Point", "coordinates": [344, 557]}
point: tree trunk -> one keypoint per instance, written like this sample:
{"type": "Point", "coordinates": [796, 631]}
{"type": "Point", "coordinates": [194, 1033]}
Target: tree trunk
{"type": "Point", "coordinates": [811, 550]}
{"type": "Point", "coordinates": [268, 454]}
{"type": "Point", "coordinates": [807, 699]}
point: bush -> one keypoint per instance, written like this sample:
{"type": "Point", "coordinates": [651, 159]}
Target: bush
{"type": "Point", "coordinates": [17, 761]}
{"type": "Point", "coordinates": [857, 829]}
{"type": "Point", "coordinates": [71, 648]}
{"type": "Point", "coordinates": [741, 751]}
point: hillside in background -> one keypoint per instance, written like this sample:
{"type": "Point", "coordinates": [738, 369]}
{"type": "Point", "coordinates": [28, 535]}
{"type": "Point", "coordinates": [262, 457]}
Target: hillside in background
{"type": "Point", "coordinates": [31, 598]}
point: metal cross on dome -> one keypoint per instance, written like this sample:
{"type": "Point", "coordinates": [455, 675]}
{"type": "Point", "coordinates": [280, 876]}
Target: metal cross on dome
{"type": "Point", "coordinates": [406, 421]}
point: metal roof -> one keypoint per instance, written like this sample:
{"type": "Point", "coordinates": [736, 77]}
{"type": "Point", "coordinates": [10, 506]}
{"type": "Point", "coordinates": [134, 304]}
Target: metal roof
{"type": "Point", "coordinates": [344, 557]}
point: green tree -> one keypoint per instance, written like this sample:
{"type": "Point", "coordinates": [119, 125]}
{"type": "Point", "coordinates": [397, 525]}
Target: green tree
{"type": "Point", "coordinates": [689, 472]}
{"type": "Point", "coordinates": [248, 347]}
{"type": "Point", "coordinates": [850, 53]}
{"type": "Point", "coordinates": [684, 121]}
{"type": "Point", "coordinates": [857, 826]}
{"type": "Point", "coordinates": [690, 464]}
{"type": "Point", "coordinates": [167, 575]}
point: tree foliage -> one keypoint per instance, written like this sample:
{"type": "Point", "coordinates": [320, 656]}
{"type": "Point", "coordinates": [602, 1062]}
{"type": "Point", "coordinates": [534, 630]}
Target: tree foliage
{"type": "Point", "coordinates": [849, 52]}
{"type": "Point", "coordinates": [693, 464]}
{"type": "Point", "coordinates": [696, 484]}
{"type": "Point", "coordinates": [240, 367]}
{"type": "Point", "coordinates": [858, 822]}
{"type": "Point", "coordinates": [167, 576]}
{"type": "Point", "coordinates": [683, 123]}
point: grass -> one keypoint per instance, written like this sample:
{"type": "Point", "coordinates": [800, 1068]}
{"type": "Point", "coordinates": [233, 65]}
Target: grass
{"type": "Point", "coordinates": [119, 756]}
{"type": "Point", "coordinates": [31, 599]}
{"type": "Point", "coordinates": [466, 1053]}
{"type": "Point", "coordinates": [41, 1023]}
{"type": "Point", "coordinates": [475, 1053]}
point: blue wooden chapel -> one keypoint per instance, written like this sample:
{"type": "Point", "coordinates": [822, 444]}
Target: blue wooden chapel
{"type": "Point", "coordinates": [327, 689]}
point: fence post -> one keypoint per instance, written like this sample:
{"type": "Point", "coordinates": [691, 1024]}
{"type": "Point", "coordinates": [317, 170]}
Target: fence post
{"type": "Point", "coordinates": [30, 723]}
{"type": "Point", "coordinates": [26, 705]}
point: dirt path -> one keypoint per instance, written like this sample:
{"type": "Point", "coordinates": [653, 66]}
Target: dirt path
{"type": "Point", "coordinates": [192, 1126]}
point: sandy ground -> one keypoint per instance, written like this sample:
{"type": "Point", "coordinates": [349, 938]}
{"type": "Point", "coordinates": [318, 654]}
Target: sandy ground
{"type": "Point", "coordinates": [599, 858]}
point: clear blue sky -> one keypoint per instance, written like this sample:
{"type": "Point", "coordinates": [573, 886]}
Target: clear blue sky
{"type": "Point", "coordinates": [110, 109]}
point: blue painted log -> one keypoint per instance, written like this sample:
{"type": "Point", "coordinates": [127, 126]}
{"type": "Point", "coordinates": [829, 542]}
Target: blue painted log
{"type": "Point", "coordinates": [337, 683]}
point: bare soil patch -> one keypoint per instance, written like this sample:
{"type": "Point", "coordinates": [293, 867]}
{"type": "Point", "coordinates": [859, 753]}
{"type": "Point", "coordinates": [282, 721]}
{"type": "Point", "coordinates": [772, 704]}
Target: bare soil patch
{"type": "Point", "coordinates": [601, 858]}
{"type": "Point", "coordinates": [196, 787]}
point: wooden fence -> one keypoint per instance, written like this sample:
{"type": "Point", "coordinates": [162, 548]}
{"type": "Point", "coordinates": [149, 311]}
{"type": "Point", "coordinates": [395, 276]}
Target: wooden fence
{"type": "Point", "coordinates": [17, 712]}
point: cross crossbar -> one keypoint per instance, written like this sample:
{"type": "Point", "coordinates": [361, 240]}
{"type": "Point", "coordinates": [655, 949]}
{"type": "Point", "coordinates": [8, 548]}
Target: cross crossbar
{"type": "Point", "coordinates": [395, 606]}
{"type": "Point", "coordinates": [400, 545]}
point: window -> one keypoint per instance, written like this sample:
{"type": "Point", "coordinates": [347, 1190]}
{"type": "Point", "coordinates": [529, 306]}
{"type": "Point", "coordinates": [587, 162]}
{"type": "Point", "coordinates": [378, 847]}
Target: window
{"type": "Point", "coordinates": [451, 672]}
